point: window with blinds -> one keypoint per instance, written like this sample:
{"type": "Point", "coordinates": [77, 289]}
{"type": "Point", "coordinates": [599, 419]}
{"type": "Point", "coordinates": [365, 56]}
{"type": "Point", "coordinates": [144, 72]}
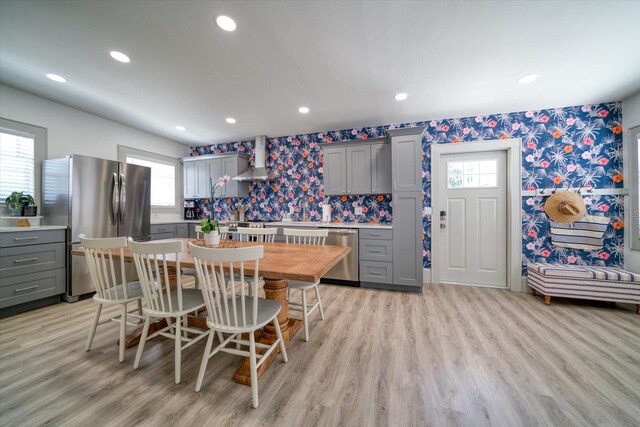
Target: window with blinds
{"type": "Point", "coordinates": [17, 164]}
{"type": "Point", "coordinates": [163, 181]}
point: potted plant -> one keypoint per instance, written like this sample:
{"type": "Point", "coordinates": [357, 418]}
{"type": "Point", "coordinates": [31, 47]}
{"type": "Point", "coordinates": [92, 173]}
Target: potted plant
{"type": "Point", "coordinates": [30, 209]}
{"type": "Point", "coordinates": [211, 229]}
{"type": "Point", "coordinates": [17, 201]}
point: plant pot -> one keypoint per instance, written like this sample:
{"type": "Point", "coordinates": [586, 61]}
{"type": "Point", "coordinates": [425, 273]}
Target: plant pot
{"type": "Point", "coordinates": [212, 239]}
{"type": "Point", "coordinates": [16, 211]}
{"type": "Point", "coordinates": [30, 210]}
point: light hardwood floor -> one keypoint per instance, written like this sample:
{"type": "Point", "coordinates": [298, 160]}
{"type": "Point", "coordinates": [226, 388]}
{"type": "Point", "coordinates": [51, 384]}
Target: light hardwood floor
{"type": "Point", "coordinates": [454, 355]}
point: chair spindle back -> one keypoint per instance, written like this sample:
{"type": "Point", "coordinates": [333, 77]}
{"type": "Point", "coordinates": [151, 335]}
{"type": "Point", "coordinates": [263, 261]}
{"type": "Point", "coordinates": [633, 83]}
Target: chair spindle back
{"type": "Point", "coordinates": [265, 235]}
{"type": "Point", "coordinates": [99, 254]}
{"type": "Point", "coordinates": [306, 237]}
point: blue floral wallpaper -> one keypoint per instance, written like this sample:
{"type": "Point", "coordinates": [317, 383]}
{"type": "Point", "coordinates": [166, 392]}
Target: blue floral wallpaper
{"type": "Point", "coordinates": [578, 146]}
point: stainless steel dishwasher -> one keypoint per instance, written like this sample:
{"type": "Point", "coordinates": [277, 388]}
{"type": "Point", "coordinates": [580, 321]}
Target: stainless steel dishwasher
{"type": "Point", "coordinates": [346, 271]}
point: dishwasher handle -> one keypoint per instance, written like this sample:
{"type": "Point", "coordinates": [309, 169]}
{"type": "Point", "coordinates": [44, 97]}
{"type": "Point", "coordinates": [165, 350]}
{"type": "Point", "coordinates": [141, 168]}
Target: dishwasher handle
{"type": "Point", "coordinates": [342, 231]}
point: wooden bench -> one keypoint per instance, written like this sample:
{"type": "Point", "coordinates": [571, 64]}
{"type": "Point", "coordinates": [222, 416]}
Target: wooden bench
{"type": "Point", "coordinates": [578, 281]}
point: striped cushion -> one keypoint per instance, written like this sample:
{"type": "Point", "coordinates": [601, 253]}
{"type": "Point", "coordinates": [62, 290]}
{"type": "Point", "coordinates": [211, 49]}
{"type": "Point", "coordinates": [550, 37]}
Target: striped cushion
{"type": "Point", "coordinates": [586, 234]}
{"type": "Point", "coordinates": [583, 272]}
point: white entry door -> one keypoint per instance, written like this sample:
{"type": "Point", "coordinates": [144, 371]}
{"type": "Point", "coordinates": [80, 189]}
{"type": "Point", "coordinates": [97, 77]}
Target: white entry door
{"type": "Point", "coordinates": [473, 218]}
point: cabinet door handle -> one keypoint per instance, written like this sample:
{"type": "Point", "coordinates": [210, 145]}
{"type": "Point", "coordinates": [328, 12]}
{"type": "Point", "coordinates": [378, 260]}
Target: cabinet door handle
{"type": "Point", "coordinates": [17, 239]}
{"type": "Point", "coordinates": [25, 289]}
{"type": "Point", "coordinates": [374, 234]}
{"type": "Point", "coordinates": [375, 251]}
{"type": "Point", "coordinates": [18, 261]}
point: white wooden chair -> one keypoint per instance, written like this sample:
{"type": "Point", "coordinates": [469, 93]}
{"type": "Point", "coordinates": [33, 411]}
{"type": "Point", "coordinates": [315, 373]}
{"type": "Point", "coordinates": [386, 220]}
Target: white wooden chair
{"type": "Point", "coordinates": [265, 235]}
{"type": "Point", "coordinates": [306, 237]}
{"type": "Point", "coordinates": [111, 288]}
{"type": "Point", "coordinates": [230, 309]}
{"type": "Point", "coordinates": [224, 235]}
{"type": "Point", "coordinates": [163, 302]}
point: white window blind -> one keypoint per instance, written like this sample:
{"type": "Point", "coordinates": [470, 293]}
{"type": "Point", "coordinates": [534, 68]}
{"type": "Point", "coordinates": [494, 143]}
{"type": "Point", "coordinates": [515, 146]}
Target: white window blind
{"type": "Point", "coordinates": [163, 181]}
{"type": "Point", "coordinates": [17, 164]}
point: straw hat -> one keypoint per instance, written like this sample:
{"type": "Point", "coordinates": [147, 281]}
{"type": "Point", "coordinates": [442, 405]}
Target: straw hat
{"type": "Point", "coordinates": [565, 207]}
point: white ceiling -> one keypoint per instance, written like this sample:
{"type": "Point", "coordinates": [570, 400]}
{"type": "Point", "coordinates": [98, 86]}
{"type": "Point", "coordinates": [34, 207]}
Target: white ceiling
{"type": "Point", "coordinates": [343, 59]}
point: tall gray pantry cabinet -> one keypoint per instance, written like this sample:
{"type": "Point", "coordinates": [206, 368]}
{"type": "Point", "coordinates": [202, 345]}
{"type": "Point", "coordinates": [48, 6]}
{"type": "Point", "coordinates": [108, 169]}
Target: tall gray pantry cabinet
{"type": "Point", "coordinates": [406, 172]}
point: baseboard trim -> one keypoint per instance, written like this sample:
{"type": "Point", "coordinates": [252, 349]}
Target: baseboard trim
{"type": "Point", "coordinates": [426, 276]}
{"type": "Point", "coordinates": [390, 287]}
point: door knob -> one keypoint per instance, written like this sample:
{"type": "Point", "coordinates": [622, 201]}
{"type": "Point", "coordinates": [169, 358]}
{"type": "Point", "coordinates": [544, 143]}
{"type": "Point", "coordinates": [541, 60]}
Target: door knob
{"type": "Point", "coordinates": [443, 215]}
{"type": "Point", "coordinates": [443, 225]}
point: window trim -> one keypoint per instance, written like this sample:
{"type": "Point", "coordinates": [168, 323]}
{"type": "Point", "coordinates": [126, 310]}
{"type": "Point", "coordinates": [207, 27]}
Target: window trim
{"type": "Point", "coordinates": [124, 151]}
{"type": "Point", "coordinates": [634, 212]}
{"type": "Point", "coordinates": [39, 135]}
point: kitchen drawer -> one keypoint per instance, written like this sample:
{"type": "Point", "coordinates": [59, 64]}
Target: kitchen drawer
{"type": "Point", "coordinates": [162, 236]}
{"type": "Point", "coordinates": [30, 259]}
{"type": "Point", "coordinates": [376, 271]}
{"type": "Point", "coordinates": [376, 250]}
{"type": "Point", "coordinates": [376, 233]}
{"type": "Point", "coordinates": [32, 286]}
{"type": "Point", "coordinates": [182, 231]}
{"type": "Point", "coordinates": [22, 238]}
{"type": "Point", "coordinates": [163, 228]}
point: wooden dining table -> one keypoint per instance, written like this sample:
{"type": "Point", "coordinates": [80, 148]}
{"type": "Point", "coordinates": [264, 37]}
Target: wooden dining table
{"type": "Point", "coordinates": [281, 262]}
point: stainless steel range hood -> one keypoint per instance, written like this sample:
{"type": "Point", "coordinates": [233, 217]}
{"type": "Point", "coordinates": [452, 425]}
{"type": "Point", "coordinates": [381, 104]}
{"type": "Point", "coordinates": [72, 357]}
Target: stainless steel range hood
{"type": "Point", "coordinates": [259, 172]}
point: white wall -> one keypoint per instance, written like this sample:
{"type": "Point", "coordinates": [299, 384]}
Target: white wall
{"type": "Point", "coordinates": [630, 118]}
{"type": "Point", "coordinates": [72, 131]}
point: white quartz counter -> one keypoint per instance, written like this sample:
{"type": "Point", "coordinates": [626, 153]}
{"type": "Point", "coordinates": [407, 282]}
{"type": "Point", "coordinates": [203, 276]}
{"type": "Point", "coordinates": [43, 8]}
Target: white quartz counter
{"type": "Point", "coordinates": [330, 224]}
{"type": "Point", "coordinates": [32, 228]}
{"type": "Point", "coordinates": [174, 221]}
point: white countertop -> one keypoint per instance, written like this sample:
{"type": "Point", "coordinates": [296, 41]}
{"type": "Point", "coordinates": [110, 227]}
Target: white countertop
{"type": "Point", "coordinates": [175, 221]}
{"type": "Point", "coordinates": [32, 228]}
{"type": "Point", "coordinates": [330, 224]}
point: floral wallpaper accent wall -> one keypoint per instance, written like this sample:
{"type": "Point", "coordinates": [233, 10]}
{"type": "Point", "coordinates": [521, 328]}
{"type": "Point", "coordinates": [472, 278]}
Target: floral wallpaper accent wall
{"type": "Point", "coordinates": [578, 146]}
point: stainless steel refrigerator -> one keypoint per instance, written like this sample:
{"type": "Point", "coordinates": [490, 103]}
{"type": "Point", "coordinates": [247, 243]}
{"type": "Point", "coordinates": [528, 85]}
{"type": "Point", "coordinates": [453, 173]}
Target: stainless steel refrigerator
{"type": "Point", "coordinates": [97, 197]}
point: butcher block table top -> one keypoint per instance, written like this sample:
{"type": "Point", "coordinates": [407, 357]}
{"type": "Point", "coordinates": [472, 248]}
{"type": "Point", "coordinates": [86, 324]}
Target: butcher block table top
{"type": "Point", "coordinates": [306, 263]}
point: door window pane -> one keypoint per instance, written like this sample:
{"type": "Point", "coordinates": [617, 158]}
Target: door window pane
{"type": "Point", "coordinates": [472, 174]}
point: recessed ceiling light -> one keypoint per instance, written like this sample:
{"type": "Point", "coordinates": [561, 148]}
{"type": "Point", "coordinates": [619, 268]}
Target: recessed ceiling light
{"type": "Point", "coordinates": [56, 78]}
{"type": "Point", "coordinates": [528, 78]}
{"type": "Point", "coordinates": [400, 96]}
{"type": "Point", "coordinates": [230, 120]}
{"type": "Point", "coordinates": [226, 23]}
{"type": "Point", "coordinates": [181, 128]}
{"type": "Point", "coordinates": [303, 110]}
{"type": "Point", "coordinates": [119, 56]}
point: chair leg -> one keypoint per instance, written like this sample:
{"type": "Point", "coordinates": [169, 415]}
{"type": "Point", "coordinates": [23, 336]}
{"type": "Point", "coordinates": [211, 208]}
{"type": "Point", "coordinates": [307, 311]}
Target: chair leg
{"type": "Point", "coordinates": [305, 316]}
{"type": "Point", "coordinates": [123, 332]}
{"type": "Point", "coordinates": [253, 369]}
{"type": "Point", "coordinates": [178, 348]}
{"type": "Point", "coordinates": [140, 307]}
{"type": "Point", "coordinates": [143, 339]}
{"type": "Point", "coordinates": [283, 349]}
{"type": "Point", "coordinates": [319, 302]}
{"type": "Point", "coordinates": [94, 326]}
{"type": "Point", "coordinates": [205, 360]}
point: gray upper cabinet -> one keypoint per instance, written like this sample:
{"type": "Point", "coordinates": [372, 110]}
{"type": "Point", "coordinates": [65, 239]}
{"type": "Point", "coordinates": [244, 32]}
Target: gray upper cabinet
{"type": "Point", "coordinates": [406, 174]}
{"type": "Point", "coordinates": [196, 179]}
{"type": "Point", "coordinates": [189, 177]}
{"type": "Point", "coordinates": [407, 160]}
{"type": "Point", "coordinates": [359, 169]}
{"type": "Point", "coordinates": [381, 168]}
{"type": "Point", "coordinates": [334, 171]}
{"type": "Point", "coordinates": [202, 172]}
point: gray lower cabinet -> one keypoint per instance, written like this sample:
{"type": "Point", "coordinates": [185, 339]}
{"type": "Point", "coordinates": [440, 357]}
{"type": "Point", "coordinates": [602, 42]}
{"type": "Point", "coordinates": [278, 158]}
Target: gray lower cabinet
{"type": "Point", "coordinates": [32, 269]}
{"type": "Point", "coordinates": [375, 257]}
{"type": "Point", "coordinates": [170, 231]}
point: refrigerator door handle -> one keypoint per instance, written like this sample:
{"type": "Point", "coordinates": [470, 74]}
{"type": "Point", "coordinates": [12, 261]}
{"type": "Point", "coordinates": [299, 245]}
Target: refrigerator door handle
{"type": "Point", "coordinates": [123, 196]}
{"type": "Point", "coordinates": [115, 196]}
